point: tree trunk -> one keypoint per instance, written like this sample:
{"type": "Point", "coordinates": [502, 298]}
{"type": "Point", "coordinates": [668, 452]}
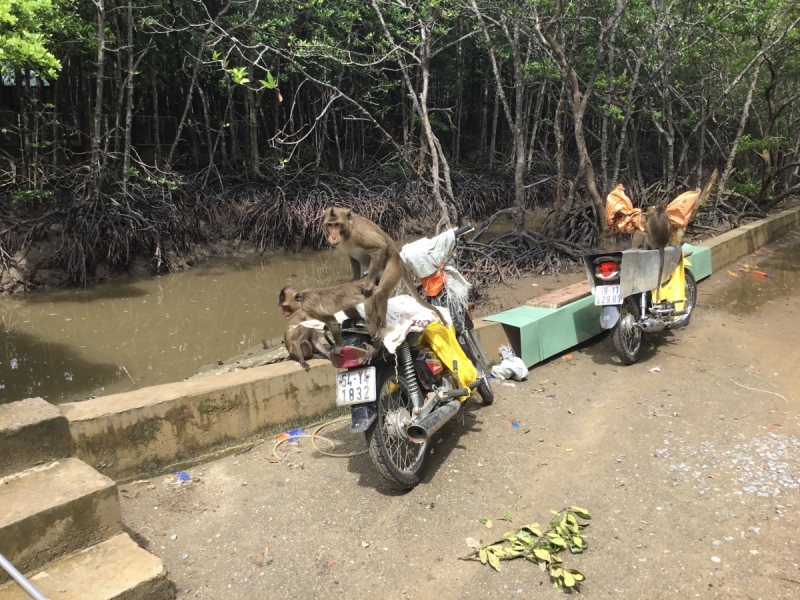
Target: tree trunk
{"type": "Point", "coordinates": [743, 121]}
{"type": "Point", "coordinates": [126, 161]}
{"type": "Point", "coordinates": [493, 139]}
{"type": "Point", "coordinates": [459, 94]}
{"type": "Point", "coordinates": [156, 124]}
{"type": "Point", "coordinates": [95, 168]}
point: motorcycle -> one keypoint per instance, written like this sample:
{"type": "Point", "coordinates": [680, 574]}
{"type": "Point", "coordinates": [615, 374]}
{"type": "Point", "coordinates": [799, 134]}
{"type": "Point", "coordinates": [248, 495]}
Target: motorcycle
{"type": "Point", "coordinates": [400, 400]}
{"type": "Point", "coordinates": [624, 284]}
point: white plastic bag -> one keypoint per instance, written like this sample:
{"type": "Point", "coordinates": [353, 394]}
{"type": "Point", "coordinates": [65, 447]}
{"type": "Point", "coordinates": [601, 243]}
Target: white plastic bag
{"type": "Point", "coordinates": [511, 367]}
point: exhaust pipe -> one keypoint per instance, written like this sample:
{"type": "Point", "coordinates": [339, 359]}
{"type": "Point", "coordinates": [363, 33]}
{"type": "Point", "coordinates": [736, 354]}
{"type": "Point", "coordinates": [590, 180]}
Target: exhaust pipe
{"type": "Point", "coordinates": [422, 431]}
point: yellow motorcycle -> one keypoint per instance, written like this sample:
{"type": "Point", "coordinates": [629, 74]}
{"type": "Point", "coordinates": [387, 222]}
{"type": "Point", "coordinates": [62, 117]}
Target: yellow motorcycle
{"type": "Point", "coordinates": [624, 284]}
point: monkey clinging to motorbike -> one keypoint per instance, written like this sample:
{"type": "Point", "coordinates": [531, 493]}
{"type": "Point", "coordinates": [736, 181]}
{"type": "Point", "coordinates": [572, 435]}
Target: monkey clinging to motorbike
{"type": "Point", "coordinates": [370, 249]}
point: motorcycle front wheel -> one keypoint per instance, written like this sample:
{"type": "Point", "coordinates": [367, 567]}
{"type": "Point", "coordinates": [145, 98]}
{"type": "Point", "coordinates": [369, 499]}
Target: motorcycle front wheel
{"type": "Point", "coordinates": [399, 460]}
{"type": "Point", "coordinates": [627, 336]}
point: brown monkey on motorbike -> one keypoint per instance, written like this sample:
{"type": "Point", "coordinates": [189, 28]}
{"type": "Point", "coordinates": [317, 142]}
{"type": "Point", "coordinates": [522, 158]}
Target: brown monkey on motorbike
{"type": "Point", "coordinates": [656, 236]}
{"type": "Point", "coordinates": [300, 342]}
{"type": "Point", "coordinates": [371, 249]}
{"type": "Point", "coordinates": [323, 304]}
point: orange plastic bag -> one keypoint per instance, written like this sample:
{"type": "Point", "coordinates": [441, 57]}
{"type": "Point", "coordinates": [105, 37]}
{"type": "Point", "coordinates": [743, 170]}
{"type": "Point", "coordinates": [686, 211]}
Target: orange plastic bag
{"type": "Point", "coordinates": [680, 209]}
{"type": "Point", "coordinates": [622, 216]}
{"type": "Point", "coordinates": [620, 213]}
{"type": "Point", "coordinates": [434, 283]}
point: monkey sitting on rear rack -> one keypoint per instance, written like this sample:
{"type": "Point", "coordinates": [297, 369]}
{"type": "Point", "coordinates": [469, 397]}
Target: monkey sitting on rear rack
{"type": "Point", "coordinates": [656, 236]}
{"type": "Point", "coordinates": [323, 304]}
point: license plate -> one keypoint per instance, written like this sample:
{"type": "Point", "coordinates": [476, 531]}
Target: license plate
{"type": "Point", "coordinates": [605, 295]}
{"type": "Point", "coordinates": [355, 387]}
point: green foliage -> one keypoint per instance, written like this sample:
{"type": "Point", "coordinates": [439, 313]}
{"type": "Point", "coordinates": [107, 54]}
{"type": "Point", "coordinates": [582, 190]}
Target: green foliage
{"type": "Point", "coordinates": [541, 547]}
{"type": "Point", "coordinates": [25, 34]}
{"type": "Point", "coordinates": [747, 144]}
{"type": "Point", "coordinates": [27, 196]}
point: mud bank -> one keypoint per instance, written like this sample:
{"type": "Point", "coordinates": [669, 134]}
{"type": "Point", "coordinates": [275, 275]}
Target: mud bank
{"type": "Point", "coordinates": [34, 266]}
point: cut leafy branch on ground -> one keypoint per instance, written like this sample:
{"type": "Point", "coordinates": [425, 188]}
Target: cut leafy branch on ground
{"type": "Point", "coordinates": [542, 548]}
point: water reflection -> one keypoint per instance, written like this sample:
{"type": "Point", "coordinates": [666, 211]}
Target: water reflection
{"type": "Point", "coordinates": [71, 344]}
{"type": "Point", "coordinates": [747, 293]}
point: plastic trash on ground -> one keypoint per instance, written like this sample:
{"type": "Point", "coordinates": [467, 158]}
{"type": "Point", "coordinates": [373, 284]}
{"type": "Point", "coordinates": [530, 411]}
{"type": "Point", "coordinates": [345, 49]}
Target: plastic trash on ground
{"type": "Point", "coordinates": [182, 476]}
{"type": "Point", "coordinates": [511, 367]}
{"type": "Point", "coordinates": [291, 435]}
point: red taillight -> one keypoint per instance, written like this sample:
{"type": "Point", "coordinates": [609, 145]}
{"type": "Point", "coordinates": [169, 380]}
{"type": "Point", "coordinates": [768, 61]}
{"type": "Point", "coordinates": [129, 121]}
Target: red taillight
{"type": "Point", "coordinates": [607, 268]}
{"type": "Point", "coordinates": [435, 366]}
{"type": "Point", "coordinates": [349, 358]}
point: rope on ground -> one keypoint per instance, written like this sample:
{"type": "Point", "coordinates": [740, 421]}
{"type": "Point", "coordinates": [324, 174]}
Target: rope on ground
{"type": "Point", "coordinates": [762, 391]}
{"type": "Point", "coordinates": [314, 435]}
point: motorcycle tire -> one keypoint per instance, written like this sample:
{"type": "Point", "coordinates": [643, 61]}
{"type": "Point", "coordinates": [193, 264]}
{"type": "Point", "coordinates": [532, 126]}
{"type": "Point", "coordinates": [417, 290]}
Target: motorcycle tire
{"type": "Point", "coordinates": [690, 287]}
{"type": "Point", "coordinates": [628, 339]}
{"type": "Point", "coordinates": [485, 392]}
{"type": "Point", "coordinates": [399, 460]}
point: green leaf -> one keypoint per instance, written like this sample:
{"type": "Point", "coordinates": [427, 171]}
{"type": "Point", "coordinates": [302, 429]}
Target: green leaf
{"type": "Point", "coordinates": [541, 553]}
{"type": "Point", "coordinates": [507, 516]}
{"type": "Point", "coordinates": [482, 554]}
{"type": "Point", "coordinates": [578, 541]}
{"type": "Point", "coordinates": [569, 580]}
{"type": "Point", "coordinates": [494, 561]}
{"type": "Point", "coordinates": [581, 512]}
{"type": "Point", "coordinates": [488, 523]}
{"type": "Point", "coordinates": [576, 574]}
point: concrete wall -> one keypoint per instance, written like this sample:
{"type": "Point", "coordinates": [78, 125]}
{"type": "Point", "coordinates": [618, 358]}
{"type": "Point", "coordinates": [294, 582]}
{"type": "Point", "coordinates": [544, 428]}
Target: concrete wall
{"type": "Point", "coordinates": [124, 435]}
{"type": "Point", "coordinates": [735, 243]}
{"type": "Point", "coordinates": [144, 431]}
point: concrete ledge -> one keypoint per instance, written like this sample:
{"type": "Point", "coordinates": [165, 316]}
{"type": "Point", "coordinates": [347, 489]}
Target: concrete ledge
{"type": "Point", "coordinates": [32, 432]}
{"type": "Point", "coordinates": [55, 509]}
{"type": "Point", "coordinates": [142, 431]}
{"type": "Point", "coordinates": [730, 246]}
{"type": "Point", "coordinates": [116, 569]}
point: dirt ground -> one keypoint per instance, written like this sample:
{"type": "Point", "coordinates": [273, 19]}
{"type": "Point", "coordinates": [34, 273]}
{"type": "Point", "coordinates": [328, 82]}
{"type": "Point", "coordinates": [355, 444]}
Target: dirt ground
{"type": "Point", "coordinates": [688, 462]}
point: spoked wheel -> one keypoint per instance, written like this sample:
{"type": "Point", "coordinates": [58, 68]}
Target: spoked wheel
{"type": "Point", "coordinates": [485, 391]}
{"type": "Point", "coordinates": [627, 335]}
{"type": "Point", "coordinates": [398, 459]}
{"type": "Point", "coordinates": [690, 292]}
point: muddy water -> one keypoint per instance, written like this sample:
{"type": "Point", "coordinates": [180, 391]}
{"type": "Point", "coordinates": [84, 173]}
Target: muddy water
{"type": "Point", "coordinates": [72, 344]}
{"type": "Point", "coordinates": [748, 291]}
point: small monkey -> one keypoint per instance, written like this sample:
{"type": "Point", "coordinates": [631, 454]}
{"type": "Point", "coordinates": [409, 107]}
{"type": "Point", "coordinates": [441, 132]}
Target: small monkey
{"type": "Point", "coordinates": [300, 342]}
{"type": "Point", "coordinates": [656, 236]}
{"type": "Point", "coordinates": [371, 249]}
{"type": "Point", "coordinates": [323, 304]}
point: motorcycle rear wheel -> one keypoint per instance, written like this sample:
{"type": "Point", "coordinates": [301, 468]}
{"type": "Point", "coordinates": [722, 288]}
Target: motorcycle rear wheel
{"type": "Point", "coordinates": [399, 460]}
{"type": "Point", "coordinates": [627, 337]}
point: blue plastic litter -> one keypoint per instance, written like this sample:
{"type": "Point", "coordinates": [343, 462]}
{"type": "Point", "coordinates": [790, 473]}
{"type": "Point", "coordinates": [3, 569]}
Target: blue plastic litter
{"type": "Point", "coordinates": [182, 476]}
{"type": "Point", "coordinates": [292, 435]}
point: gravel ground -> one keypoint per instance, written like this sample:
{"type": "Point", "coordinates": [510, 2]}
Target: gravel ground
{"type": "Point", "coordinates": [691, 478]}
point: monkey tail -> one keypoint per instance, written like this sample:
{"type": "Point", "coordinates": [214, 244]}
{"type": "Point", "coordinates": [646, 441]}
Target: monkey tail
{"type": "Point", "coordinates": [660, 274]}
{"type": "Point", "coordinates": [413, 289]}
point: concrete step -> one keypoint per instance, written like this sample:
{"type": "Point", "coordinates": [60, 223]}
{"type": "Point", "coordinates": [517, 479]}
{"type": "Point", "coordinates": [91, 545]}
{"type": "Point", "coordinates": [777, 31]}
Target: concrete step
{"type": "Point", "coordinates": [51, 510]}
{"type": "Point", "coordinates": [32, 432]}
{"type": "Point", "coordinates": [116, 569]}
